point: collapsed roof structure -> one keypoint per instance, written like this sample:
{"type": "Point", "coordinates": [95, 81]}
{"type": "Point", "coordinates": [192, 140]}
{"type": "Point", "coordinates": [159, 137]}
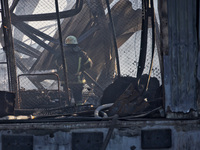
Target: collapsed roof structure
{"type": "Point", "coordinates": [100, 34]}
{"type": "Point", "coordinates": [143, 91]}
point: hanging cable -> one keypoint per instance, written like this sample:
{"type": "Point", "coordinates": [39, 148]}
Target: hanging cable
{"type": "Point", "coordinates": [144, 34]}
{"type": "Point", "coordinates": [147, 11]}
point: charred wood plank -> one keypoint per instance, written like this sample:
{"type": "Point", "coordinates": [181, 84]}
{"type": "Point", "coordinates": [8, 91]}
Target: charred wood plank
{"type": "Point", "coordinates": [125, 18]}
{"type": "Point", "coordinates": [26, 49]}
{"type": "Point", "coordinates": [20, 64]}
{"type": "Point", "coordinates": [71, 26]}
{"type": "Point", "coordinates": [21, 8]}
{"type": "Point", "coordinates": [35, 38]}
{"type": "Point", "coordinates": [87, 34]}
{"type": "Point", "coordinates": [104, 38]}
{"type": "Point", "coordinates": [27, 27]}
{"type": "Point", "coordinates": [127, 22]}
{"type": "Point", "coordinates": [130, 102]}
{"type": "Point", "coordinates": [23, 50]}
{"type": "Point", "coordinates": [13, 6]}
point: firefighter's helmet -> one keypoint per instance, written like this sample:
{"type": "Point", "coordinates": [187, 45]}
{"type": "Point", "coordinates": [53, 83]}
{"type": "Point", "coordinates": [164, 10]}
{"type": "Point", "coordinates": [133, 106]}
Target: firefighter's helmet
{"type": "Point", "coordinates": [71, 40]}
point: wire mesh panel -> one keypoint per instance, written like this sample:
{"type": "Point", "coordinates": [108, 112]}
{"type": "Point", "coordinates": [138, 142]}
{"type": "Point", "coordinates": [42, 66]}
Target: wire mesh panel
{"type": "Point", "coordinates": [84, 54]}
{"type": "Point", "coordinates": [3, 62]}
{"type": "Point", "coordinates": [3, 78]}
{"type": "Point", "coordinates": [45, 95]}
{"type": "Point", "coordinates": [3, 72]}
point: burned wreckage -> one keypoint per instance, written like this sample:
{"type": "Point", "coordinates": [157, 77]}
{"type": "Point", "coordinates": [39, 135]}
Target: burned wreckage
{"type": "Point", "coordinates": [142, 91]}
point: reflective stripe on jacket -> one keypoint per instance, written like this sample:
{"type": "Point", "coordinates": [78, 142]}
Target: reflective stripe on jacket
{"type": "Point", "coordinates": [77, 62]}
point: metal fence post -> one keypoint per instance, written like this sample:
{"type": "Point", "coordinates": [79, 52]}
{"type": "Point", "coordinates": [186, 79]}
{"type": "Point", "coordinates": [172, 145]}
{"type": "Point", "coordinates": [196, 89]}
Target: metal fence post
{"type": "Point", "coordinates": [9, 47]}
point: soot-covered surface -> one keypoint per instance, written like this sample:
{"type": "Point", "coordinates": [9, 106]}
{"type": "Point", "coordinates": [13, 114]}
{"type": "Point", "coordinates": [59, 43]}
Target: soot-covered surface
{"type": "Point", "coordinates": [114, 90]}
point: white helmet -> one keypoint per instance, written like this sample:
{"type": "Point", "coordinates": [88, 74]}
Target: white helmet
{"type": "Point", "coordinates": [71, 40]}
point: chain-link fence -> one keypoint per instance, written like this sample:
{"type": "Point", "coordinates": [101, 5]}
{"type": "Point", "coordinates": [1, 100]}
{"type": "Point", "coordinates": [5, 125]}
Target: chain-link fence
{"type": "Point", "coordinates": [84, 75]}
{"type": "Point", "coordinates": [3, 72]}
{"type": "Point", "coordinates": [46, 94]}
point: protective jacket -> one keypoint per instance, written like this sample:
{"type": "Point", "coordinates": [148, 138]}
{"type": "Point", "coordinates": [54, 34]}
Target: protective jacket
{"type": "Point", "coordinates": [76, 61]}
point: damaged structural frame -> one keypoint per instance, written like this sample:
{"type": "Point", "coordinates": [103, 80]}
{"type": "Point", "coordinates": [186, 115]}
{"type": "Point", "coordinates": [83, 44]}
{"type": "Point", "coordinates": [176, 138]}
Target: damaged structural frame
{"type": "Point", "coordinates": [32, 33]}
{"type": "Point", "coordinates": [180, 88]}
{"type": "Point", "coordinates": [17, 22]}
{"type": "Point", "coordinates": [129, 133]}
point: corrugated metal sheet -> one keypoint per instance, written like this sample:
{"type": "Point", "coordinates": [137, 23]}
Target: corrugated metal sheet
{"type": "Point", "coordinates": [180, 63]}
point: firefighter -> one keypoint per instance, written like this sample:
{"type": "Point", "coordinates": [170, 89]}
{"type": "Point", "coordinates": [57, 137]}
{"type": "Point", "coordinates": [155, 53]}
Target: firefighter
{"type": "Point", "coordinates": [77, 61]}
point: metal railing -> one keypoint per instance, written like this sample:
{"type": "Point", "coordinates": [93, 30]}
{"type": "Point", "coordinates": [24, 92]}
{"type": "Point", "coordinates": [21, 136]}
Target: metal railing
{"type": "Point", "coordinates": [38, 95]}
